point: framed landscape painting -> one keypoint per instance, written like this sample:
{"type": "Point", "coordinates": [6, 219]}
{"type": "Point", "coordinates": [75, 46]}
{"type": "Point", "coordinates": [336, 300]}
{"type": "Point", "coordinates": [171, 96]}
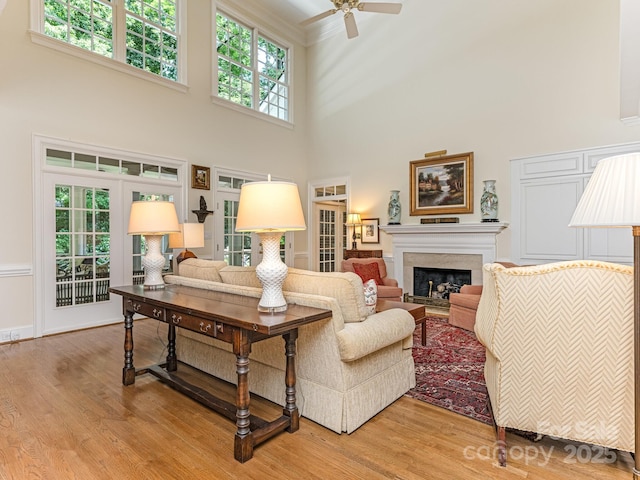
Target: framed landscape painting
{"type": "Point", "coordinates": [442, 185]}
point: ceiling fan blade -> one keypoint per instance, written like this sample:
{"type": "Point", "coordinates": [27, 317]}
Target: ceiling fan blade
{"type": "Point", "coordinates": [320, 16]}
{"type": "Point", "coordinates": [350, 23]}
{"type": "Point", "coordinates": [380, 7]}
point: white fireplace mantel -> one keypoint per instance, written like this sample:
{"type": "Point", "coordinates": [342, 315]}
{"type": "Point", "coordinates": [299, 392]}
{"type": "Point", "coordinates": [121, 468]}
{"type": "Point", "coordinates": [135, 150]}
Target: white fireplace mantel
{"type": "Point", "coordinates": [443, 238]}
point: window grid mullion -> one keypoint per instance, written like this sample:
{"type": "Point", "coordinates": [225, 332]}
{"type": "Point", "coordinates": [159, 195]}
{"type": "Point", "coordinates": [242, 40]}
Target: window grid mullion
{"type": "Point", "coordinates": [254, 69]}
{"type": "Point", "coordinates": [119, 32]}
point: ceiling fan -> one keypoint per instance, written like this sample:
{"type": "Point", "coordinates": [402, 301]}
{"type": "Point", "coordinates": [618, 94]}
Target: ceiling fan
{"type": "Point", "coordinates": [348, 6]}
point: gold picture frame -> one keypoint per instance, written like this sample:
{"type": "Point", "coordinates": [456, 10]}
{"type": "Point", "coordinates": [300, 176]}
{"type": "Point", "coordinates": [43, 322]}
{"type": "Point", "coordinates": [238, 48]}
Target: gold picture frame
{"type": "Point", "coordinates": [442, 185]}
{"type": "Point", "coordinates": [200, 177]}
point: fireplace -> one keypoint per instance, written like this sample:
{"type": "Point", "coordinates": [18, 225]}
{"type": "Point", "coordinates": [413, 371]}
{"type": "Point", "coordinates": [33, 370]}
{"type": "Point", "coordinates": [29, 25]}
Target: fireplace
{"type": "Point", "coordinates": [464, 246]}
{"type": "Point", "coordinates": [439, 282]}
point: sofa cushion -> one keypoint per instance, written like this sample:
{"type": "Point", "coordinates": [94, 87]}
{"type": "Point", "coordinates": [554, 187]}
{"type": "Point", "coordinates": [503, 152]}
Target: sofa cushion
{"type": "Point", "coordinates": [345, 287]}
{"type": "Point", "coordinates": [368, 271]}
{"type": "Point", "coordinates": [201, 269]}
{"type": "Point", "coordinates": [245, 276]}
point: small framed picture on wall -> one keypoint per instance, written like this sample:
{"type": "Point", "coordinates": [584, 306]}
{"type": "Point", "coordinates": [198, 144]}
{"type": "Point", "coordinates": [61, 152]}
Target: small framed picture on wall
{"type": "Point", "coordinates": [200, 177]}
{"type": "Point", "coordinates": [370, 230]}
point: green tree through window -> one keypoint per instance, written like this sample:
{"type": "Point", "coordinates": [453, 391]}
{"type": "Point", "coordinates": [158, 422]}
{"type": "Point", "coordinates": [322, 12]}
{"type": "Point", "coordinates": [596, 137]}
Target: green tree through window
{"type": "Point", "coordinates": [150, 38]}
{"type": "Point", "coordinates": [249, 70]}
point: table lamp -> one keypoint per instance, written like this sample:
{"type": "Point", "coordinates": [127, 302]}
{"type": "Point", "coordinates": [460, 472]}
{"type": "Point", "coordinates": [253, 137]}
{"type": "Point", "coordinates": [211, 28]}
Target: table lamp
{"type": "Point", "coordinates": [270, 209]}
{"type": "Point", "coordinates": [353, 220]}
{"type": "Point", "coordinates": [612, 199]}
{"type": "Point", "coordinates": [191, 235]}
{"type": "Point", "coordinates": [153, 219]}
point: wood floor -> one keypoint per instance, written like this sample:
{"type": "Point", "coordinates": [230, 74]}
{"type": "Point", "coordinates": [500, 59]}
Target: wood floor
{"type": "Point", "coordinates": [64, 414]}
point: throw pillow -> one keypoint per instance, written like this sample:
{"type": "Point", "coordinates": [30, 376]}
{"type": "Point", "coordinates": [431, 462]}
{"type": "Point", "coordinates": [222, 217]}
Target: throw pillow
{"type": "Point", "coordinates": [368, 271]}
{"type": "Point", "coordinates": [370, 296]}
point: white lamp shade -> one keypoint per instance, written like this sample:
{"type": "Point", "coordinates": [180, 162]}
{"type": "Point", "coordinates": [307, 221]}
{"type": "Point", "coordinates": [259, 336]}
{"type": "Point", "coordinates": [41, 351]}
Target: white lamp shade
{"type": "Point", "coordinates": [149, 218]}
{"type": "Point", "coordinates": [612, 196]}
{"type": "Point", "coordinates": [353, 219]}
{"type": "Point", "coordinates": [269, 207]}
{"type": "Point", "coordinates": [191, 235]}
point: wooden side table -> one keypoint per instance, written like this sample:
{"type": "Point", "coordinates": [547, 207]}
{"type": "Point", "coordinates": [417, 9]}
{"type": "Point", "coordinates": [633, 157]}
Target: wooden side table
{"type": "Point", "coordinates": [362, 254]}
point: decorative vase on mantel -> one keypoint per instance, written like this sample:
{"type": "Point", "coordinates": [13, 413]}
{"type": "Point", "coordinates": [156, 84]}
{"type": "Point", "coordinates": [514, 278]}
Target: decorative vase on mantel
{"type": "Point", "coordinates": [489, 202]}
{"type": "Point", "coordinates": [395, 208]}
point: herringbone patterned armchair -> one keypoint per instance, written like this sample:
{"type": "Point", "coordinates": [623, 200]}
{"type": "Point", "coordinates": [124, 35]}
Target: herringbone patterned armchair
{"type": "Point", "coordinates": [559, 344]}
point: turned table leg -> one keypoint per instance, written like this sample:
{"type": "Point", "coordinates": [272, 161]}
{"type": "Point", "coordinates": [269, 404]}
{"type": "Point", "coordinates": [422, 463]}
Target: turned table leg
{"type": "Point", "coordinates": [128, 372]}
{"type": "Point", "coordinates": [290, 408]}
{"type": "Point", "coordinates": [243, 442]}
{"type": "Point", "coordinates": [172, 360]}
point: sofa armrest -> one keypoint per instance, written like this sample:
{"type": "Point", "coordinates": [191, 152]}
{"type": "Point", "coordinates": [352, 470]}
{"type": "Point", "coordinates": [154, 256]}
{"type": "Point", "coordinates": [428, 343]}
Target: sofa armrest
{"type": "Point", "coordinates": [379, 330]}
{"type": "Point", "coordinates": [389, 282]}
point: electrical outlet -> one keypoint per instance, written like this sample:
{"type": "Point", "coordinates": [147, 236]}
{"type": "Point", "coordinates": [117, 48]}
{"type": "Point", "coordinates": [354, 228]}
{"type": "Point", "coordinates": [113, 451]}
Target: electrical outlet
{"type": "Point", "coordinates": [15, 336]}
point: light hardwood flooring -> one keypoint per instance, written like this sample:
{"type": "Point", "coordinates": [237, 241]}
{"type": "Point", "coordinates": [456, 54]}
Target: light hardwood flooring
{"type": "Point", "coordinates": [64, 414]}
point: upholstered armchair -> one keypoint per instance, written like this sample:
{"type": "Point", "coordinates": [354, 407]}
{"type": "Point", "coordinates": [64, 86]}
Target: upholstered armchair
{"type": "Point", "coordinates": [387, 287]}
{"type": "Point", "coordinates": [559, 345]}
{"type": "Point", "coordinates": [463, 306]}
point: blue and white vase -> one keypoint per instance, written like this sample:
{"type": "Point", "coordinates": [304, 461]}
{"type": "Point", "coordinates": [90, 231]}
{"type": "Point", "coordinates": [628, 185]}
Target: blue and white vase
{"type": "Point", "coordinates": [395, 209]}
{"type": "Point", "coordinates": [489, 202]}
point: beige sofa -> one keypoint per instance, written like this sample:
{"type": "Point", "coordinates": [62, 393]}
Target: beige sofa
{"type": "Point", "coordinates": [349, 367]}
{"type": "Point", "coordinates": [559, 344]}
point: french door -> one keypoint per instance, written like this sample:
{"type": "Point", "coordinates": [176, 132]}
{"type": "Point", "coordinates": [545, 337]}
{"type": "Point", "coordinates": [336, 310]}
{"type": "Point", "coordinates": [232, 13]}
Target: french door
{"type": "Point", "coordinates": [80, 252]}
{"type": "Point", "coordinates": [329, 240]}
{"type": "Point", "coordinates": [86, 248]}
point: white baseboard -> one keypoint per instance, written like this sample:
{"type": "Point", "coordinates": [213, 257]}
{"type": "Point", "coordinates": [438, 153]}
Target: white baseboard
{"type": "Point", "coordinates": [8, 335]}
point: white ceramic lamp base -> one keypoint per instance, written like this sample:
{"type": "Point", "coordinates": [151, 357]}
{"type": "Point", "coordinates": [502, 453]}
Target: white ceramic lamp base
{"type": "Point", "coordinates": [271, 272]}
{"type": "Point", "coordinates": [153, 263]}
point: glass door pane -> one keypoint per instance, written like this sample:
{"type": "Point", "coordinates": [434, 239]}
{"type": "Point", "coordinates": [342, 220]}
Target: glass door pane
{"type": "Point", "coordinates": [82, 244]}
{"type": "Point", "coordinates": [237, 245]}
{"type": "Point", "coordinates": [327, 240]}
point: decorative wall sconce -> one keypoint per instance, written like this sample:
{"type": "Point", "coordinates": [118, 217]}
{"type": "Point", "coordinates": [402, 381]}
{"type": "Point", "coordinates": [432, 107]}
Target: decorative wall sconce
{"type": "Point", "coordinates": [203, 212]}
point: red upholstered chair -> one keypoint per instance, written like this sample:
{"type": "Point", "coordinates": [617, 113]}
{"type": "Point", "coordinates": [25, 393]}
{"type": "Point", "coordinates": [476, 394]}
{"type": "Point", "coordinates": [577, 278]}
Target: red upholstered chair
{"type": "Point", "coordinates": [389, 289]}
{"type": "Point", "coordinates": [463, 305]}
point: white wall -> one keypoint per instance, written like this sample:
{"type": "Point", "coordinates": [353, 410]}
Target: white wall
{"type": "Point", "coordinates": [503, 79]}
{"type": "Point", "coordinates": [47, 92]}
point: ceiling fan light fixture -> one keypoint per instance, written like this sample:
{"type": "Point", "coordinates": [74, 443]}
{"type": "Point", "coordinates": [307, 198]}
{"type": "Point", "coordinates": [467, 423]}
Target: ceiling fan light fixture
{"type": "Point", "coordinates": [348, 6]}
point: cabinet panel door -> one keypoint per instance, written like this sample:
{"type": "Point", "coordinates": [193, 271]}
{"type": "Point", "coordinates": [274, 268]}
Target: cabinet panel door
{"type": "Point", "coordinates": [547, 206]}
{"type": "Point", "coordinates": [609, 245]}
{"type": "Point", "coordinates": [551, 165]}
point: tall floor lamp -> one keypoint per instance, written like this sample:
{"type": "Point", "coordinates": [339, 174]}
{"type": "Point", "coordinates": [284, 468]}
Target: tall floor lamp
{"type": "Point", "coordinates": [612, 199]}
{"type": "Point", "coordinates": [270, 209]}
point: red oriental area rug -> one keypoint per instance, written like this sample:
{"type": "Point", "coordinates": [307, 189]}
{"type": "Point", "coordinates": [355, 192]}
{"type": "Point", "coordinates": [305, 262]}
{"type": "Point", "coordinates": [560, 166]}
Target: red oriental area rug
{"type": "Point", "coordinates": [449, 370]}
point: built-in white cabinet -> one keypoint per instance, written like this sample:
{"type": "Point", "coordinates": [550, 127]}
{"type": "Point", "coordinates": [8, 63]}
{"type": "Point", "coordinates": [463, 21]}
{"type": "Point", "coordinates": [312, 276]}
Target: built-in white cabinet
{"type": "Point", "coordinates": [545, 191]}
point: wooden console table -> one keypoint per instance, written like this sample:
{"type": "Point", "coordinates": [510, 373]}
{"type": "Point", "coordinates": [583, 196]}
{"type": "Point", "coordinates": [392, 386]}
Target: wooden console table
{"type": "Point", "coordinates": [362, 254]}
{"type": "Point", "coordinates": [232, 319]}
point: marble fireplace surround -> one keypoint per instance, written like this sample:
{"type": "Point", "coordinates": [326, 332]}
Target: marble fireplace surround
{"type": "Point", "coordinates": [465, 246]}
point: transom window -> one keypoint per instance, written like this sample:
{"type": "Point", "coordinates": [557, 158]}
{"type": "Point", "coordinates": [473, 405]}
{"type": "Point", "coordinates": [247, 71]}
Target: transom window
{"type": "Point", "coordinates": [252, 70]}
{"type": "Point", "coordinates": [148, 40]}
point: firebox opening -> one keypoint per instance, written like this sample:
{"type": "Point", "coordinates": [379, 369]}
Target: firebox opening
{"type": "Point", "coordinates": [438, 282]}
